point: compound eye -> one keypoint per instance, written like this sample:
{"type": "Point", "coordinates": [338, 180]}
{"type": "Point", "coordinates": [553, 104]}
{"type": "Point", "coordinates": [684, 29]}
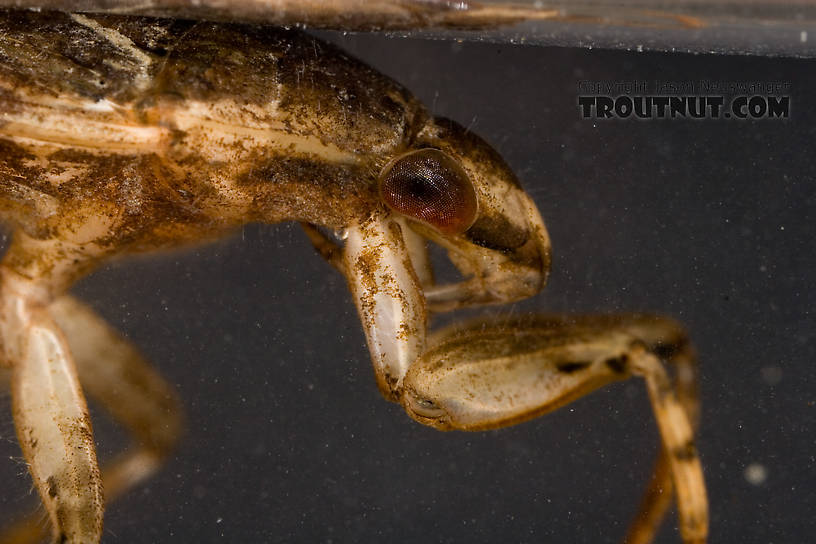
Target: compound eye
{"type": "Point", "coordinates": [429, 186]}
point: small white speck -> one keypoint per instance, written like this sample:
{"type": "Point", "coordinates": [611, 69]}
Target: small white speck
{"type": "Point", "coordinates": [803, 36]}
{"type": "Point", "coordinates": [640, 48]}
{"type": "Point", "coordinates": [219, 520]}
{"type": "Point", "coordinates": [756, 474]}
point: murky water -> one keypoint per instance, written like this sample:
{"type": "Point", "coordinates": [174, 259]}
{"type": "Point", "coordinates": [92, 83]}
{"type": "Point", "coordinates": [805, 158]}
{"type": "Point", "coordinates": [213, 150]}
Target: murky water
{"type": "Point", "coordinates": [710, 221]}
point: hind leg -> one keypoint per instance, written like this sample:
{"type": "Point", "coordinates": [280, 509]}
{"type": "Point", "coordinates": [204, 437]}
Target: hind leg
{"type": "Point", "coordinates": [114, 373]}
{"type": "Point", "coordinates": [50, 413]}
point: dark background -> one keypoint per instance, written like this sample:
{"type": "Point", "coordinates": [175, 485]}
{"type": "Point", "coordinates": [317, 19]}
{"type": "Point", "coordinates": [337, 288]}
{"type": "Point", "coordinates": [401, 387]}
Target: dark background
{"type": "Point", "coordinates": [288, 440]}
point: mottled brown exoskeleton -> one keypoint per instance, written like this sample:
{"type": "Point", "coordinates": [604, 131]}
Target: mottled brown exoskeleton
{"type": "Point", "coordinates": [124, 135]}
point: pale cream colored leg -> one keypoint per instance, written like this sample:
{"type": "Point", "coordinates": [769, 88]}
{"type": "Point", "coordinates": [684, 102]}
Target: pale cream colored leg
{"type": "Point", "coordinates": [389, 299]}
{"type": "Point", "coordinates": [114, 373]}
{"type": "Point", "coordinates": [492, 374]}
{"type": "Point", "coordinates": [417, 248]}
{"type": "Point", "coordinates": [50, 413]}
{"type": "Point", "coordinates": [415, 244]}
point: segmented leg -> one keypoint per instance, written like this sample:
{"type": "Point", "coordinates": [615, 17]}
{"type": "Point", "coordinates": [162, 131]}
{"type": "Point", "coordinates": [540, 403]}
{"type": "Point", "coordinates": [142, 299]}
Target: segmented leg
{"type": "Point", "coordinates": [492, 374]}
{"type": "Point", "coordinates": [674, 348]}
{"type": "Point", "coordinates": [388, 296]}
{"type": "Point", "coordinates": [327, 249]}
{"type": "Point", "coordinates": [490, 277]}
{"type": "Point", "coordinates": [415, 245]}
{"type": "Point", "coordinates": [678, 448]}
{"type": "Point", "coordinates": [114, 373]}
{"type": "Point", "coordinates": [668, 340]}
{"type": "Point", "coordinates": [50, 413]}
{"type": "Point", "coordinates": [417, 248]}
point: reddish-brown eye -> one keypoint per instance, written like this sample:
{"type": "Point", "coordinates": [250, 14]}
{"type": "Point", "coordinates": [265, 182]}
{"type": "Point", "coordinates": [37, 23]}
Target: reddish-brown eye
{"type": "Point", "coordinates": [430, 186]}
